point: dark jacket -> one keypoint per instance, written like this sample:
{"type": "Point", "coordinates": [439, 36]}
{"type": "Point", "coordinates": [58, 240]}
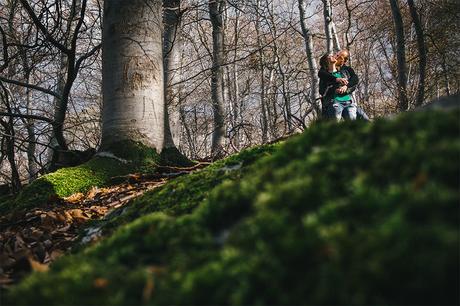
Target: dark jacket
{"type": "Point", "coordinates": [328, 83]}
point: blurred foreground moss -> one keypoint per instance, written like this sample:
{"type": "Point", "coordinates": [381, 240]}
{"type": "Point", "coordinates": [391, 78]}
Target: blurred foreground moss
{"type": "Point", "coordinates": [348, 213]}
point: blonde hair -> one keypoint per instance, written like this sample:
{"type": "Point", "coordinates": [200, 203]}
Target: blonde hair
{"type": "Point", "coordinates": [345, 54]}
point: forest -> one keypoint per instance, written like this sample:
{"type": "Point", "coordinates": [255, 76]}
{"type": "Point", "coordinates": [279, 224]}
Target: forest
{"type": "Point", "coordinates": [282, 152]}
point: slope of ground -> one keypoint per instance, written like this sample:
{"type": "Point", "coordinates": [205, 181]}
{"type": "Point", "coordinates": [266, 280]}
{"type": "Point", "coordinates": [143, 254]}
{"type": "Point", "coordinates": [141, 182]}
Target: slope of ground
{"type": "Point", "coordinates": [125, 157]}
{"type": "Point", "coordinates": [348, 213]}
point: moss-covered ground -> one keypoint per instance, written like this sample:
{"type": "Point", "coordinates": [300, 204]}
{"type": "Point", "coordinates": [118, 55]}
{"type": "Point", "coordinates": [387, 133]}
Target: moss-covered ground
{"type": "Point", "coordinates": [349, 213]}
{"type": "Point", "coordinates": [128, 157]}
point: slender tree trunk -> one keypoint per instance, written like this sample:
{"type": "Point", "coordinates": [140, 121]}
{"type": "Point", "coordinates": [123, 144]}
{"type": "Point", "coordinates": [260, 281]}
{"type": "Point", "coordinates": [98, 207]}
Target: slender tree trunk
{"type": "Point", "coordinates": [10, 145]}
{"type": "Point", "coordinates": [273, 113]}
{"type": "Point", "coordinates": [327, 13]}
{"type": "Point", "coordinates": [403, 102]}
{"type": "Point", "coordinates": [264, 115]}
{"type": "Point", "coordinates": [335, 37]}
{"type": "Point", "coordinates": [31, 145]}
{"type": "Point", "coordinates": [421, 51]}
{"type": "Point", "coordinates": [216, 8]}
{"type": "Point", "coordinates": [171, 44]}
{"type": "Point", "coordinates": [132, 64]}
{"type": "Point", "coordinates": [29, 123]}
{"type": "Point", "coordinates": [235, 79]}
{"type": "Point", "coordinates": [10, 153]}
{"type": "Point", "coordinates": [66, 76]}
{"type": "Point", "coordinates": [57, 137]}
{"type": "Point", "coordinates": [312, 67]}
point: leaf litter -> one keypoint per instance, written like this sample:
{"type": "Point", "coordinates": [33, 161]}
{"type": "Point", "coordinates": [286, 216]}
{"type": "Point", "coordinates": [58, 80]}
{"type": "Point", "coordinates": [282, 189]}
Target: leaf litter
{"type": "Point", "coordinates": [32, 239]}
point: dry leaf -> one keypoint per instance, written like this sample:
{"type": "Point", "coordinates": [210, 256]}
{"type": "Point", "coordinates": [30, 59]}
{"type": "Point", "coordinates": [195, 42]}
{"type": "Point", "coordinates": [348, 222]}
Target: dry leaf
{"type": "Point", "coordinates": [37, 266]}
{"type": "Point", "coordinates": [100, 282]}
{"type": "Point", "coordinates": [78, 215]}
{"type": "Point", "coordinates": [75, 198]}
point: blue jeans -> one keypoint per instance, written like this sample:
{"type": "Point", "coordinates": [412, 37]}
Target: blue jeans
{"type": "Point", "coordinates": [342, 109]}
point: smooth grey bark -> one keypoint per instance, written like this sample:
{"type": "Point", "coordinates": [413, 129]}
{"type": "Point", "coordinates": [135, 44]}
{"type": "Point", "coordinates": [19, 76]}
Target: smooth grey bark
{"type": "Point", "coordinates": [216, 8]}
{"type": "Point", "coordinates": [272, 109]}
{"type": "Point", "coordinates": [233, 79]}
{"type": "Point", "coordinates": [403, 103]}
{"type": "Point", "coordinates": [264, 115]}
{"type": "Point", "coordinates": [327, 14]}
{"type": "Point", "coordinates": [421, 52]}
{"type": "Point", "coordinates": [335, 37]}
{"type": "Point", "coordinates": [132, 67]}
{"type": "Point", "coordinates": [171, 45]}
{"type": "Point", "coordinates": [312, 67]}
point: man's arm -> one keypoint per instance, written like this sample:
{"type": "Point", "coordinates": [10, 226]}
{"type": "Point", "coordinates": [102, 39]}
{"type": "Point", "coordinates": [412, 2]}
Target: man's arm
{"type": "Point", "coordinates": [327, 77]}
{"type": "Point", "coordinates": [353, 81]}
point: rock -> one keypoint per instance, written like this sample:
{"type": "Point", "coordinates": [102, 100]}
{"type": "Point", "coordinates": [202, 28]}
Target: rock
{"type": "Point", "coordinates": [443, 103]}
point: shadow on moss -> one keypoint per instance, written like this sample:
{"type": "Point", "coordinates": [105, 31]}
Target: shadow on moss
{"type": "Point", "coordinates": [123, 158]}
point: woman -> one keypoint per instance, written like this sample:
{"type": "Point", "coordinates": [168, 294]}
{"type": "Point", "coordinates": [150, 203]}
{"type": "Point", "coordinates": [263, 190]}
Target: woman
{"type": "Point", "coordinates": [336, 102]}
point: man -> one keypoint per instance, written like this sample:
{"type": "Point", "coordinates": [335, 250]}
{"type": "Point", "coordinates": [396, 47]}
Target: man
{"type": "Point", "coordinates": [345, 85]}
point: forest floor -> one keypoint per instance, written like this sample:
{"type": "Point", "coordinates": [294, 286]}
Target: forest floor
{"type": "Point", "coordinates": [33, 238]}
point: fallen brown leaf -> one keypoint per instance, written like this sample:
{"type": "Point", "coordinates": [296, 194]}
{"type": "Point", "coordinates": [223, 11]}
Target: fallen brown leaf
{"type": "Point", "coordinates": [37, 266]}
{"type": "Point", "coordinates": [75, 198]}
{"type": "Point", "coordinates": [100, 282]}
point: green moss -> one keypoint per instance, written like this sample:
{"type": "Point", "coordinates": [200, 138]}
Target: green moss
{"type": "Point", "coordinates": [67, 181]}
{"type": "Point", "coordinates": [130, 157]}
{"type": "Point", "coordinates": [346, 213]}
{"type": "Point", "coordinates": [172, 156]}
{"type": "Point", "coordinates": [135, 152]}
{"type": "Point", "coordinates": [184, 194]}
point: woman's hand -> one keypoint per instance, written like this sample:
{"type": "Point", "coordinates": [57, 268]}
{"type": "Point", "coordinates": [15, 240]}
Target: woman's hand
{"type": "Point", "coordinates": [341, 90]}
{"type": "Point", "coordinates": [342, 81]}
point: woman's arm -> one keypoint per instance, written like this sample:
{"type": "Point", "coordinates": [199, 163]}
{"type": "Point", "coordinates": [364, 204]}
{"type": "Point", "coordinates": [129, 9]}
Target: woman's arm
{"type": "Point", "coordinates": [325, 75]}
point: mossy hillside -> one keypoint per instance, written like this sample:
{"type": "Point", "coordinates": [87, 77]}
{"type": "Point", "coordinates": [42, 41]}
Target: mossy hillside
{"type": "Point", "coordinates": [129, 157]}
{"type": "Point", "coordinates": [183, 194]}
{"type": "Point", "coordinates": [343, 214]}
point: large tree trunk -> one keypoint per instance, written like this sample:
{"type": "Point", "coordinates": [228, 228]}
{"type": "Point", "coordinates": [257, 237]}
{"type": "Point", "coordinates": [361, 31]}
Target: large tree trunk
{"type": "Point", "coordinates": [310, 58]}
{"type": "Point", "coordinates": [421, 52]}
{"type": "Point", "coordinates": [403, 103]}
{"type": "Point", "coordinates": [216, 8]}
{"type": "Point", "coordinates": [132, 64]}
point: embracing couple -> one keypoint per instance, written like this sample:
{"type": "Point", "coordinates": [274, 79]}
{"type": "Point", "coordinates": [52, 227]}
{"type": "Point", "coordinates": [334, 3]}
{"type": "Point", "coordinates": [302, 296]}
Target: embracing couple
{"type": "Point", "coordinates": [337, 81]}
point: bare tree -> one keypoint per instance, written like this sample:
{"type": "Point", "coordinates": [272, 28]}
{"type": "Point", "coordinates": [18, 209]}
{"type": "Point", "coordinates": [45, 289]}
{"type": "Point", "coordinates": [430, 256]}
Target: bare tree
{"type": "Point", "coordinates": [171, 44]}
{"type": "Point", "coordinates": [332, 40]}
{"type": "Point", "coordinates": [403, 101]}
{"type": "Point", "coordinates": [133, 89]}
{"type": "Point", "coordinates": [312, 67]}
{"type": "Point", "coordinates": [421, 51]}
{"type": "Point", "coordinates": [8, 141]}
{"type": "Point", "coordinates": [216, 8]}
